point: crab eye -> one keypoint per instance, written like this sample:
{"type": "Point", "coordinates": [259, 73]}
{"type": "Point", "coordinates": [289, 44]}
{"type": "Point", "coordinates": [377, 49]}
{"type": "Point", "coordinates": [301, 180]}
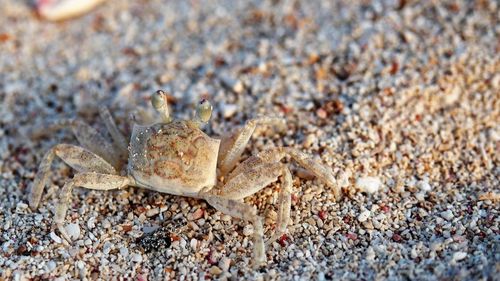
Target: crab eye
{"type": "Point", "coordinates": [158, 99]}
{"type": "Point", "coordinates": [204, 110]}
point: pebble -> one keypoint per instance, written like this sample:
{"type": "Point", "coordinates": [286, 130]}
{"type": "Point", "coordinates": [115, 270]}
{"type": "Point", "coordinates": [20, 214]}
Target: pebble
{"type": "Point", "coordinates": [424, 186]}
{"type": "Point", "coordinates": [136, 258]}
{"type": "Point", "coordinates": [196, 215]}
{"type": "Point", "coordinates": [152, 212]}
{"type": "Point", "coordinates": [106, 248]}
{"type": "Point", "coordinates": [73, 230]}
{"type": "Point", "coordinates": [51, 265]}
{"type": "Point", "coordinates": [368, 184]}
{"type": "Point", "coordinates": [56, 238]}
{"type": "Point", "coordinates": [215, 270]}
{"type": "Point", "coordinates": [364, 216]}
{"type": "Point", "coordinates": [225, 264]}
{"type": "Point", "coordinates": [228, 110]}
{"type": "Point", "coordinates": [194, 244]}
{"type": "Point", "coordinates": [458, 256]}
{"type": "Point", "coordinates": [124, 252]}
{"type": "Point", "coordinates": [419, 117]}
{"type": "Point", "coordinates": [447, 215]}
{"type": "Point", "coordinates": [91, 223]}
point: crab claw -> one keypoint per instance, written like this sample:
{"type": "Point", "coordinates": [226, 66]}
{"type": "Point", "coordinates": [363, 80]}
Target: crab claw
{"type": "Point", "coordinates": [55, 10]}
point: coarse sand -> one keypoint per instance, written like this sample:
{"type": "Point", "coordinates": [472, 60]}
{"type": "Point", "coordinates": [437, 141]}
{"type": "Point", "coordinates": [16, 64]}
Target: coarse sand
{"type": "Point", "coordinates": [400, 98]}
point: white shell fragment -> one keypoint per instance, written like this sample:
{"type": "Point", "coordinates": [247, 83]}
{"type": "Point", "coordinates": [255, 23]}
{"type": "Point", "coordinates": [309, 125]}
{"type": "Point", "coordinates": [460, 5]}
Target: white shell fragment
{"type": "Point", "coordinates": [73, 230]}
{"type": "Point", "coordinates": [447, 215]}
{"type": "Point", "coordinates": [424, 186]}
{"type": "Point", "coordinates": [56, 238]}
{"type": "Point", "coordinates": [364, 216]}
{"type": "Point", "coordinates": [458, 256]}
{"type": "Point", "coordinates": [55, 10]}
{"type": "Point", "coordinates": [368, 184]}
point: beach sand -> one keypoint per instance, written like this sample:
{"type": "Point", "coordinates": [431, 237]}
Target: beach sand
{"type": "Point", "coordinates": [400, 98]}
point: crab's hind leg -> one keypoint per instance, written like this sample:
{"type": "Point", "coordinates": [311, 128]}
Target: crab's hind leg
{"type": "Point", "coordinates": [251, 176]}
{"type": "Point", "coordinates": [89, 180]}
{"type": "Point", "coordinates": [77, 157]}
{"type": "Point", "coordinates": [245, 212]}
{"type": "Point", "coordinates": [88, 137]}
{"type": "Point", "coordinates": [118, 138]}
{"type": "Point", "coordinates": [254, 174]}
{"type": "Point", "coordinates": [321, 171]}
{"type": "Point", "coordinates": [233, 145]}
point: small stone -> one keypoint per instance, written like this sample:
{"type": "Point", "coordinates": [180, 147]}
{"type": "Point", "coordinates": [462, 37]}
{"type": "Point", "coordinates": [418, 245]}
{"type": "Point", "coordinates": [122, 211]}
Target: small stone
{"type": "Point", "coordinates": [196, 215]}
{"type": "Point", "coordinates": [368, 184]}
{"type": "Point", "coordinates": [225, 264]}
{"type": "Point", "coordinates": [228, 110]}
{"type": "Point", "coordinates": [56, 238]}
{"type": "Point", "coordinates": [309, 140]}
{"type": "Point", "coordinates": [136, 258]}
{"type": "Point", "coordinates": [194, 244]}
{"type": "Point", "coordinates": [22, 206]}
{"type": "Point", "coordinates": [370, 254]}
{"type": "Point", "coordinates": [424, 186]}
{"type": "Point", "coordinates": [80, 264]}
{"type": "Point", "coordinates": [106, 248]}
{"type": "Point", "coordinates": [152, 212]}
{"type": "Point", "coordinates": [124, 252]}
{"type": "Point", "coordinates": [215, 270]}
{"type": "Point", "coordinates": [447, 215]}
{"type": "Point", "coordinates": [364, 216]}
{"type": "Point", "coordinates": [73, 230]}
{"type": "Point", "coordinates": [248, 230]}
{"type": "Point", "coordinates": [51, 265]}
{"type": "Point", "coordinates": [321, 113]}
{"type": "Point", "coordinates": [106, 224]}
{"type": "Point", "coordinates": [458, 256]}
{"type": "Point", "coordinates": [91, 223]}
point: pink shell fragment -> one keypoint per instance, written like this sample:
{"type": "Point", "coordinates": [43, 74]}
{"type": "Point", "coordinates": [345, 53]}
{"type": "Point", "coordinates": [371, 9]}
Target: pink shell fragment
{"type": "Point", "coordinates": [56, 10]}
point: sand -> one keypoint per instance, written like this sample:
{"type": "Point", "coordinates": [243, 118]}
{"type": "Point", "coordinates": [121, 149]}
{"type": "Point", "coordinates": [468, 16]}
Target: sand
{"type": "Point", "coordinates": [400, 98]}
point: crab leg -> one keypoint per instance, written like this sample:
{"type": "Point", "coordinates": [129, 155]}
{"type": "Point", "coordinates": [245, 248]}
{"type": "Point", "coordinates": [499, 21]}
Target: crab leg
{"type": "Point", "coordinates": [116, 135]}
{"type": "Point", "coordinates": [87, 180]}
{"type": "Point", "coordinates": [256, 173]}
{"type": "Point", "coordinates": [245, 212]}
{"type": "Point", "coordinates": [233, 146]}
{"type": "Point", "coordinates": [77, 157]}
{"type": "Point", "coordinates": [88, 137]}
{"type": "Point", "coordinates": [321, 171]}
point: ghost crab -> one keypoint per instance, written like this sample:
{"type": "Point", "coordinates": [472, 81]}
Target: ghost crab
{"type": "Point", "coordinates": [177, 157]}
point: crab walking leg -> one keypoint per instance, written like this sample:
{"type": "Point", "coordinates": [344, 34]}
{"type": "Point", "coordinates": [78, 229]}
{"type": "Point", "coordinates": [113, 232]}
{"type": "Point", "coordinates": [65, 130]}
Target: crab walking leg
{"type": "Point", "coordinates": [321, 171]}
{"type": "Point", "coordinates": [88, 138]}
{"type": "Point", "coordinates": [253, 175]}
{"type": "Point", "coordinates": [87, 180]}
{"type": "Point", "coordinates": [233, 146]}
{"type": "Point", "coordinates": [117, 136]}
{"type": "Point", "coordinates": [284, 205]}
{"type": "Point", "coordinates": [245, 212]}
{"type": "Point", "coordinates": [77, 157]}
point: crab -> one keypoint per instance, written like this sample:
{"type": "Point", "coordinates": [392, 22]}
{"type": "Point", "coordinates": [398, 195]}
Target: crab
{"type": "Point", "coordinates": [176, 157]}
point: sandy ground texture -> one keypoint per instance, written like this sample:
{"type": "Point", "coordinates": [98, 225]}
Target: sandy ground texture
{"type": "Point", "coordinates": [400, 98]}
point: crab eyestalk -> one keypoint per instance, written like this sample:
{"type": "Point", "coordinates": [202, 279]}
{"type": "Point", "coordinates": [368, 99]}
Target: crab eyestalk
{"type": "Point", "coordinates": [203, 111]}
{"type": "Point", "coordinates": [160, 104]}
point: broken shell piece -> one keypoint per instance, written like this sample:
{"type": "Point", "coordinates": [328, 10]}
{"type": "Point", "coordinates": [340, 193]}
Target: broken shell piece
{"type": "Point", "coordinates": [56, 10]}
{"type": "Point", "coordinates": [368, 184]}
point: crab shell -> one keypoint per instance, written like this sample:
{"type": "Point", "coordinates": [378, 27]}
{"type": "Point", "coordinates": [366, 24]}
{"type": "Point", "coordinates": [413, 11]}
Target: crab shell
{"type": "Point", "coordinates": [176, 158]}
